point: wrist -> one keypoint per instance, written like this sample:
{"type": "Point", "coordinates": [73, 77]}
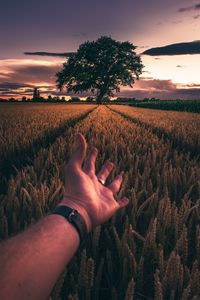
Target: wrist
{"type": "Point", "coordinates": [81, 210]}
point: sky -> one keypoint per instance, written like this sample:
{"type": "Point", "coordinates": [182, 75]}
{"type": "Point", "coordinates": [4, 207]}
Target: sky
{"type": "Point", "coordinates": [166, 33]}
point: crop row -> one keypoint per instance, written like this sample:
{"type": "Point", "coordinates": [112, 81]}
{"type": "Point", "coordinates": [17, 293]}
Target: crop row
{"type": "Point", "coordinates": [181, 128]}
{"type": "Point", "coordinates": [21, 124]}
{"type": "Point", "coordinates": [149, 250]}
{"type": "Point", "coordinates": [24, 129]}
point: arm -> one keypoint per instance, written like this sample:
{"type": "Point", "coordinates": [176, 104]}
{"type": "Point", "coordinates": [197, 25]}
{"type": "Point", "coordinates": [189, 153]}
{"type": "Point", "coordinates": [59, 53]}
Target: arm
{"type": "Point", "coordinates": [31, 262]}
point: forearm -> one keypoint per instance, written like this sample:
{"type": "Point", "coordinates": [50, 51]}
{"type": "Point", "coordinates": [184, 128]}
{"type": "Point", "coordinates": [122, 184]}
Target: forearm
{"type": "Point", "coordinates": [32, 261]}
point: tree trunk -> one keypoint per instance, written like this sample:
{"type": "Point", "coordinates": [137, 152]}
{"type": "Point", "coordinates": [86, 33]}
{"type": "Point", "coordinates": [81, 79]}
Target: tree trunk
{"type": "Point", "coordinates": [99, 100]}
{"type": "Point", "coordinates": [100, 96]}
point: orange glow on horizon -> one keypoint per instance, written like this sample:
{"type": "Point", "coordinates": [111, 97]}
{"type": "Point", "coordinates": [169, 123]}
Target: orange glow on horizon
{"type": "Point", "coordinates": [175, 72]}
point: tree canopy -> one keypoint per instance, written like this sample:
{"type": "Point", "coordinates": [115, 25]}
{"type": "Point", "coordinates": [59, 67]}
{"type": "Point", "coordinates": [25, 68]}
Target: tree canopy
{"type": "Point", "coordinates": [101, 67]}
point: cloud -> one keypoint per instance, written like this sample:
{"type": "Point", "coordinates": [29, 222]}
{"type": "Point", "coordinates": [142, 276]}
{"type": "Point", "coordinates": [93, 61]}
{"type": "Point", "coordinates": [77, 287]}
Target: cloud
{"type": "Point", "coordinates": [179, 66]}
{"type": "Point", "coordinates": [20, 89]}
{"type": "Point", "coordinates": [183, 9]}
{"type": "Point", "coordinates": [175, 49]}
{"type": "Point", "coordinates": [3, 75]}
{"type": "Point", "coordinates": [23, 75]}
{"type": "Point", "coordinates": [152, 84]}
{"type": "Point", "coordinates": [145, 87]}
{"type": "Point", "coordinates": [162, 89]}
{"type": "Point", "coordinates": [11, 89]}
{"type": "Point", "coordinates": [185, 94]}
{"type": "Point", "coordinates": [189, 8]}
{"type": "Point", "coordinates": [13, 86]}
{"type": "Point", "coordinates": [192, 85]}
{"type": "Point", "coordinates": [143, 47]}
{"type": "Point", "coordinates": [40, 53]}
{"type": "Point", "coordinates": [35, 74]}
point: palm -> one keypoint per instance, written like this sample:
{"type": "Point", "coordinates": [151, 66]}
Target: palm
{"type": "Point", "coordinates": [83, 190]}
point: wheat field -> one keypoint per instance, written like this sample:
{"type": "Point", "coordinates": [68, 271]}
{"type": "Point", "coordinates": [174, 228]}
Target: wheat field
{"type": "Point", "coordinates": [148, 250]}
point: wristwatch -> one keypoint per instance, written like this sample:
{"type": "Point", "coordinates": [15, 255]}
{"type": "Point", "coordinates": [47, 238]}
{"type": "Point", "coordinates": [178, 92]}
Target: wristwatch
{"type": "Point", "coordinates": [73, 217]}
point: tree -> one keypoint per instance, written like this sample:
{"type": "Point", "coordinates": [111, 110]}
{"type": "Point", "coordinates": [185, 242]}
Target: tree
{"type": "Point", "coordinates": [90, 99]}
{"type": "Point", "coordinates": [24, 99]}
{"type": "Point", "coordinates": [100, 67]}
{"type": "Point", "coordinates": [75, 99]}
{"type": "Point", "coordinates": [50, 98]}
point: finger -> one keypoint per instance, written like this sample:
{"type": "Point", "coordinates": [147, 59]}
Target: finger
{"type": "Point", "coordinates": [123, 202]}
{"type": "Point", "coordinates": [89, 164]}
{"type": "Point", "coordinates": [79, 152]}
{"type": "Point", "coordinates": [114, 186]}
{"type": "Point", "coordinates": [105, 170]}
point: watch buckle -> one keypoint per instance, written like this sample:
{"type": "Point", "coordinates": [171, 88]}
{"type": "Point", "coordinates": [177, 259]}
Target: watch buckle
{"type": "Point", "coordinates": [72, 214]}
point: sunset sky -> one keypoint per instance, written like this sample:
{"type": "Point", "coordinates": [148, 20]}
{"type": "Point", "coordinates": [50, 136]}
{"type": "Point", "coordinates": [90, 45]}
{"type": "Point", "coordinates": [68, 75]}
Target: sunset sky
{"type": "Point", "coordinates": [62, 25]}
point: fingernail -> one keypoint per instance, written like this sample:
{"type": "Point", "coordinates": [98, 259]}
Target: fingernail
{"type": "Point", "coordinates": [110, 164]}
{"type": "Point", "coordinates": [94, 150]}
{"type": "Point", "coordinates": [122, 173]}
{"type": "Point", "coordinates": [125, 200]}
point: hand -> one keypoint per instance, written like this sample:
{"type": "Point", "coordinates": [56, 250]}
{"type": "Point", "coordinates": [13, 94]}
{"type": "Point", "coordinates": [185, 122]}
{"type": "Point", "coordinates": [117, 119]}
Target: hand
{"type": "Point", "coordinates": [83, 191]}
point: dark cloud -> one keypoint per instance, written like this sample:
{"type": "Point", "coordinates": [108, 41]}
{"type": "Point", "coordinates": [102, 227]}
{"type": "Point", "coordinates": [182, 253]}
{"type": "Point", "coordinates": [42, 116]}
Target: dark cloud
{"type": "Point", "coordinates": [11, 93]}
{"type": "Point", "coordinates": [162, 89]}
{"type": "Point", "coordinates": [16, 86]}
{"type": "Point", "coordinates": [10, 89]}
{"type": "Point", "coordinates": [34, 74]}
{"type": "Point", "coordinates": [185, 94]}
{"type": "Point", "coordinates": [183, 9]}
{"type": "Point", "coordinates": [196, 17]}
{"type": "Point", "coordinates": [13, 86]}
{"type": "Point", "coordinates": [149, 83]}
{"type": "Point", "coordinates": [175, 49]}
{"type": "Point", "coordinates": [40, 53]}
{"type": "Point", "coordinates": [189, 8]}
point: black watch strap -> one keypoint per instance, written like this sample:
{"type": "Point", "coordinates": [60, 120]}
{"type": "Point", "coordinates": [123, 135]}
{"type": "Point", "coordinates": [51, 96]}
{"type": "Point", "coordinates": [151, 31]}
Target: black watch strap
{"type": "Point", "coordinates": [73, 216]}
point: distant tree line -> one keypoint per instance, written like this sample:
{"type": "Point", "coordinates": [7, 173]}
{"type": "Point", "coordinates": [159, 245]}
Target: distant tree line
{"type": "Point", "coordinates": [57, 99]}
{"type": "Point", "coordinates": [177, 105]}
{"type": "Point", "coordinates": [153, 103]}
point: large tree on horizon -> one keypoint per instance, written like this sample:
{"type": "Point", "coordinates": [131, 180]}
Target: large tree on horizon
{"type": "Point", "coordinates": [101, 67]}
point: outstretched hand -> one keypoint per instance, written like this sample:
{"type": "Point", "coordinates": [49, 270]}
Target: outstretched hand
{"type": "Point", "coordinates": [84, 192]}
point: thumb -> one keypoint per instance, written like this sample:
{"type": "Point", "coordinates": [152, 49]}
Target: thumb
{"type": "Point", "coordinates": [123, 202]}
{"type": "Point", "coordinates": [79, 152]}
